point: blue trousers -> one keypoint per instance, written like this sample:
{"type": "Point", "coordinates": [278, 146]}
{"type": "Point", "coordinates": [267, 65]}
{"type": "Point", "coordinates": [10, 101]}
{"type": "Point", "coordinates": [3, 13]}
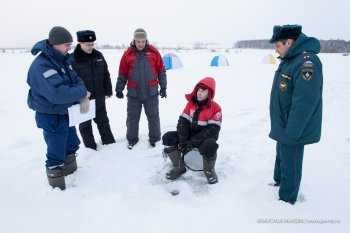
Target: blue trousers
{"type": "Point", "coordinates": [61, 140]}
{"type": "Point", "coordinates": [288, 171]}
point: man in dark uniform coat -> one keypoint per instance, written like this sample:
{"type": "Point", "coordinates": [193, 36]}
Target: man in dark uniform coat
{"type": "Point", "coordinates": [295, 105]}
{"type": "Point", "coordinates": [92, 69]}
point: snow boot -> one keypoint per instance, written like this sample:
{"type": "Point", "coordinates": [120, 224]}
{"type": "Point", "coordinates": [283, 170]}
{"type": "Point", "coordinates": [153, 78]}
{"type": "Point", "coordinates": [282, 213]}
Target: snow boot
{"type": "Point", "coordinates": [70, 164]}
{"type": "Point", "coordinates": [55, 177]}
{"type": "Point", "coordinates": [209, 169]}
{"type": "Point", "coordinates": [106, 133]}
{"type": "Point", "coordinates": [178, 163]}
{"type": "Point", "coordinates": [87, 136]}
{"type": "Point", "coordinates": [132, 144]}
{"type": "Point", "coordinates": [152, 144]}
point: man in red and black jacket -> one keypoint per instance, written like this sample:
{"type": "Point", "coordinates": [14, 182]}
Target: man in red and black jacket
{"type": "Point", "coordinates": [198, 127]}
{"type": "Point", "coordinates": [142, 70]}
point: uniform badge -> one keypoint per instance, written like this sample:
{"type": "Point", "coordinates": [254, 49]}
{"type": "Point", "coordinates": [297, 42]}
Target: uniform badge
{"type": "Point", "coordinates": [283, 85]}
{"type": "Point", "coordinates": [307, 74]}
{"type": "Point", "coordinates": [307, 70]}
{"type": "Point", "coordinates": [286, 76]}
{"type": "Point", "coordinates": [284, 82]}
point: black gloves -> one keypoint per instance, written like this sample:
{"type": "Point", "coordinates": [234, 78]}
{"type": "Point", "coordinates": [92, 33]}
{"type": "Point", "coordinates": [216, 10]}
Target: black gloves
{"type": "Point", "coordinates": [162, 93]}
{"type": "Point", "coordinates": [119, 94]}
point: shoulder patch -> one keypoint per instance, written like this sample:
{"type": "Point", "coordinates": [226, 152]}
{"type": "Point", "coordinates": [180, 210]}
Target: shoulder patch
{"type": "Point", "coordinates": [307, 74]}
{"type": "Point", "coordinates": [307, 70]}
{"type": "Point", "coordinates": [49, 73]}
{"type": "Point", "coordinates": [308, 64]}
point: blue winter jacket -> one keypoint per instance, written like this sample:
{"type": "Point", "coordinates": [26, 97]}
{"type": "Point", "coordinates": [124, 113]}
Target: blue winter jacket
{"type": "Point", "coordinates": [54, 86]}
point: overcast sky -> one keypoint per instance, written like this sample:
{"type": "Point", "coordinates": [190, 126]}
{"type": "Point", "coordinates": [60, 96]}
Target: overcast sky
{"type": "Point", "coordinates": [24, 22]}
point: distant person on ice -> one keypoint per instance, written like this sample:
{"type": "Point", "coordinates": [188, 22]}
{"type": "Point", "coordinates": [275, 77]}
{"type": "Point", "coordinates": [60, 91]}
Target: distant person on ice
{"type": "Point", "coordinates": [295, 105]}
{"type": "Point", "coordinates": [92, 68]}
{"type": "Point", "coordinates": [54, 86]}
{"type": "Point", "coordinates": [198, 127]}
{"type": "Point", "coordinates": [142, 70]}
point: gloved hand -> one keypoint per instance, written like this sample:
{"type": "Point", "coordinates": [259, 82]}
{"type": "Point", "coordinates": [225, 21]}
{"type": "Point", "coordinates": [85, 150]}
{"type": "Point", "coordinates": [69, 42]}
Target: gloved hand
{"type": "Point", "coordinates": [119, 94]}
{"type": "Point", "coordinates": [185, 147]}
{"type": "Point", "coordinates": [84, 105]}
{"type": "Point", "coordinates": [162, 93]}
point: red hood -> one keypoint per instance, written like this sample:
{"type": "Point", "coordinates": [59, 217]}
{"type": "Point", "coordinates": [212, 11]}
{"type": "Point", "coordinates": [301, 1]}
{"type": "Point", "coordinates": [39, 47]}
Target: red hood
{"type": "Point", "coordinates": [209, 83]}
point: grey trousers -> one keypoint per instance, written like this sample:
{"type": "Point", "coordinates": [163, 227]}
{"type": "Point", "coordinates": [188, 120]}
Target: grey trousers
{"type": "Point", "coordinates": [134, 107]}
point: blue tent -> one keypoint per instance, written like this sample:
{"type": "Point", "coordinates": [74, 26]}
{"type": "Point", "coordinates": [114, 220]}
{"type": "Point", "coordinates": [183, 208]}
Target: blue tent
{"type": "Point", "coordinates": [171, 61]}
{"type": "Point", "coordinates": [219, 60]}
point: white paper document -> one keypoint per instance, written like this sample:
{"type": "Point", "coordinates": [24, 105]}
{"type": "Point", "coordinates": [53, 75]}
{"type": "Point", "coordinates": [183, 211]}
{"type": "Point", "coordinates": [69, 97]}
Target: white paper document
{"type": "Point", "coordinates": [76, 117]}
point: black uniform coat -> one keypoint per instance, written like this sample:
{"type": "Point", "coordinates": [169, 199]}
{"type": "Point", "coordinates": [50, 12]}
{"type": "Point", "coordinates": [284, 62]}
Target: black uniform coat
{"type": "Point", "coordinates": [93, 70]}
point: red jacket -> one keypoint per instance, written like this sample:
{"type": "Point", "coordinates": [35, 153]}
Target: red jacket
{"type": "Point", "coordinates": [142, 71]}
{"type": "Point", "coordinates": [198, 123]}
{"type": "Point", "coordinates": [211, 114]}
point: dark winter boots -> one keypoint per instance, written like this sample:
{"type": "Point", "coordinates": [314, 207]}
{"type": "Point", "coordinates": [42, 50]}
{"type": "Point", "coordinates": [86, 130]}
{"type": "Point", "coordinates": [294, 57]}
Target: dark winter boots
{"type": "Point", "coordinates": [209, 169]}
{"type": "Point", "coordinates": [152, 144]}
{"type": "Point", "coordinates": [106, 134]}
{"type": "Point", "coordinates": [56, 177]}
{"type": "Point", "coordinates": [178, 163]}
{"type": "Point", "coordinates": [131, 144]}
{"type": "Point", "coordinates": [70, 164]}
{"type": "Point", "coordinates": [85, 129]}
{"type": "Point", "coordinates": [104, 129]}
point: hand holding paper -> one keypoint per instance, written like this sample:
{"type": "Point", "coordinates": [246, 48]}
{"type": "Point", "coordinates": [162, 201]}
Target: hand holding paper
{"type": "Point", "coordinates": [76, 116]}
{"type": "Point", "coordinates": [85, 103]}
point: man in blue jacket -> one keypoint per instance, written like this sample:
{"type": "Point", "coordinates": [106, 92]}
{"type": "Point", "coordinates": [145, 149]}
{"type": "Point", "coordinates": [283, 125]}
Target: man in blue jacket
{"type": "Point", "coordinates": [54, 87]}
{"type": "Point", "coordinates": [295, 105]}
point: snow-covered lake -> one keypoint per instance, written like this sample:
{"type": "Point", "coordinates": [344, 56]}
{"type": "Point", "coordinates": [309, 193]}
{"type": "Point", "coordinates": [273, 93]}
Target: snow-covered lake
{"type": "Point", "coordinates": [118, 190]}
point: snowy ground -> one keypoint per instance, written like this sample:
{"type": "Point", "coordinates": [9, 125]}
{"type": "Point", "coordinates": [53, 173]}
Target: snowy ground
{"type": "Point", "coordinates": [117, 190]}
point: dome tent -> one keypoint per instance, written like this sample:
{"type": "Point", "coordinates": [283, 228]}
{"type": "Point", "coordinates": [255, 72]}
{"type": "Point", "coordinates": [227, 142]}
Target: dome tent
{"type": "Point", "coordinates": [219, 60]}
{"type": "Point", "coordinates": [171, 61]}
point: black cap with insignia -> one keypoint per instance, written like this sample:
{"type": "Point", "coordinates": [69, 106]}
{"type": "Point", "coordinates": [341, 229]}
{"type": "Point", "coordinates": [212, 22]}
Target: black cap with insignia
{"type": "Point", "coordinates": [285, 32]}
{"type": "Point", "coordinates": [86, 36]}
